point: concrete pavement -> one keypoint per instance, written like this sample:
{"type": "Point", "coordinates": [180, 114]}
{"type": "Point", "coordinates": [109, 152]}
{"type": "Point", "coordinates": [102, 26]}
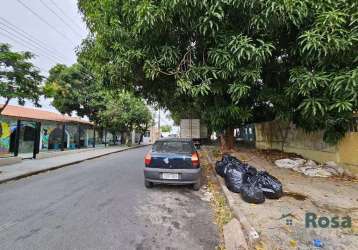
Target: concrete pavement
{"type": "Point", "coordinates": [29, 167]}
{"type": "Point", "coordinates": [103, 204]}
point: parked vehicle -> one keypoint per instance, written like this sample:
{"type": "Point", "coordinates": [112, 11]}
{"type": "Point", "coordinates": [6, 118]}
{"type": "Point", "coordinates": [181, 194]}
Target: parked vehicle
{"type": "Point", "coordinates": [193, 129]}
{"type": "Point", "coordinates": [172, 161]}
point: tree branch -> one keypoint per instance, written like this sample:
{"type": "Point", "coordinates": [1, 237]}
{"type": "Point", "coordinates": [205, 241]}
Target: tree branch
{"type": "Point", "coordinates": [5, 104]}
{"type": "Point", "coordinates": [182, 61]}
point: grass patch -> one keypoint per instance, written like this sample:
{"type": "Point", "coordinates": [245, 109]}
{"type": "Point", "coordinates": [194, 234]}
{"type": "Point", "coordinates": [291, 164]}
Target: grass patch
{"type": "Point", "coordinates": [216, 152]}
{"type": "Point", "coordinates": [222, 212]}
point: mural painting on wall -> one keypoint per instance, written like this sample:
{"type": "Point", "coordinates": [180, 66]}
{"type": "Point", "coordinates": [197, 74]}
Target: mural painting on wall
{"type": "Point", "coordinates": [51, 136]}
{"type": "Point", "coordinates": [45, 135]}
{"type": "Point", "coordinates": [5, 132]}
{"type": "Point", "coordinates": [46, 131]}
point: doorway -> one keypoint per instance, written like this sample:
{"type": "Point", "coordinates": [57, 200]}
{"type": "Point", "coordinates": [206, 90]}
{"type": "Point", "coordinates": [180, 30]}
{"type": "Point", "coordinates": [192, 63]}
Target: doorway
{"type": "Point", "coordinates": [27, 139]}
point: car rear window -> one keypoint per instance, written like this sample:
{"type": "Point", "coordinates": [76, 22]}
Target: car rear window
{"type": "Point", "coordinates": [173, 147]}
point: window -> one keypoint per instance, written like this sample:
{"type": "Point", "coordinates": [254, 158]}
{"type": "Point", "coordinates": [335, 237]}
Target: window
{"type": "Point", "coordinates": [29, 133]}
{"type": "Point", "coordinates": [173, 147]}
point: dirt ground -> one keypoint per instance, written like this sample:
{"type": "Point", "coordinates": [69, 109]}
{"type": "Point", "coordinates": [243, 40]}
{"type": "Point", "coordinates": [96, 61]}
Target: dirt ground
{"type": "Point", "coordinates": [281, 223]}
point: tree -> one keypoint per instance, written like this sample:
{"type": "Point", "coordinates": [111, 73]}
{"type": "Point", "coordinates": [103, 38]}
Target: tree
{"type": "Point", "coordinates": [125, 112]}
{"type": "Point", "coordinates": [74, 88]}
{"type": "Point", "coordinates": [166, 128]}
{"type": "Point", "coordinates": [143, 118]}
{"type": "Point", "coordinates": [239, 61]}
{"type": "Point", "coordinates": [19, 78]}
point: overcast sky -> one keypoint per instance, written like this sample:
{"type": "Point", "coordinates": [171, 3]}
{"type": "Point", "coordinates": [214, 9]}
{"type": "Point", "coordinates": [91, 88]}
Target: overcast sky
{"type": "Point", "coordinates": [51, 29]}
{"type": "Point", "coordinates": [57, 24]}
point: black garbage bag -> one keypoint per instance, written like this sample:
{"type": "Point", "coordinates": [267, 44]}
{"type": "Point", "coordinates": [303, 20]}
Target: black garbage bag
{"type": "Point", "coordinates": [270, 185]}
{"type": "Point", "coordinates": [226, 158]}
{"type": "Point", "coordinates": [226, 162]}
{"type": "Point", "coordinates": [252, 193]}
{"type": "Point", "coordinates": [234, 179]}
{"type": "Point", "coordinates": [220, 168]}
{"type": "Point", "coordinates": [250, 170]}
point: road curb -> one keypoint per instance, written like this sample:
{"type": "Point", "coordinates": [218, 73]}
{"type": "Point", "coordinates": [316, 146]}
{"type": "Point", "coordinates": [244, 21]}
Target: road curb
{"type": "Point", "coordinates": [234, 237]}
{"type": "Point", "coordinates": [35, 172]}
{"type": "Point", "coordinates": [249, 230]}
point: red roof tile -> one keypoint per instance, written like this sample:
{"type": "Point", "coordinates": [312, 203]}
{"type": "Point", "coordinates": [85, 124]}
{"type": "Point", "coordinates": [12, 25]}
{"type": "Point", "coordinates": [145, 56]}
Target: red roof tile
{"type": "Point", "coordinates": [39, 114]}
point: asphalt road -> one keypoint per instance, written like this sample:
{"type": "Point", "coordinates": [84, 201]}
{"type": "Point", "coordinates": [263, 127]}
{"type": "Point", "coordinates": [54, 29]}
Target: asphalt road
{"type": "Point", "coordinates": [103, 204]}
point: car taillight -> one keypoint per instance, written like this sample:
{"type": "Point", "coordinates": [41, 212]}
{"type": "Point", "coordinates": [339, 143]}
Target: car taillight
{"type": "Point", "coordinates": [195, 159]}
{"type": "Point", "coordinates": [147, 159]}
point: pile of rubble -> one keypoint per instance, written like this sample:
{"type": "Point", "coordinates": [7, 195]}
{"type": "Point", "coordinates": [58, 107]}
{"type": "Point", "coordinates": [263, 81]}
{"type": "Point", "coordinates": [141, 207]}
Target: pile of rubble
{"type": "Point", "coordinates": [311, 168]}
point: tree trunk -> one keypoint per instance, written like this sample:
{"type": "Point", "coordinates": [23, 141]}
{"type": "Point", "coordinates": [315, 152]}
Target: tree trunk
{"type": "Point", "coordinates": [122, 138]}
{"type": "Point", "coordinates": [209, 134]}
{"type": "Point", "coordinates": [140, 138]}
{"type": "Point", "coordinates": [142, 134]}
{"type": "Point", "coordinates": [4, 105]}
{"type": "Point", "coordinates": [227, 139]}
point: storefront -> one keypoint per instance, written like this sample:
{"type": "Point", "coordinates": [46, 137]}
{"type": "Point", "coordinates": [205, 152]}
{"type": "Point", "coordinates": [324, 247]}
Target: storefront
{"type": "Point", "coordinates": [27, 131]}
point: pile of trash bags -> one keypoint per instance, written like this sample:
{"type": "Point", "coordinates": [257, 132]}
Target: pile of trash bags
{"type": "Point", "coordinates": [254, 186]}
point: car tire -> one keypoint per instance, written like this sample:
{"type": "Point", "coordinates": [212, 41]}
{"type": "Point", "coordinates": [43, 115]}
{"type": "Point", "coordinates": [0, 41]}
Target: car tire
{"type": "Point", "coordinates": [148, 184]}
{"type": "Point", "coordinates": [196, 186]}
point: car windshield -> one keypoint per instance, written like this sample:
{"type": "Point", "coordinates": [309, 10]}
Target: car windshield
{"type": "Point", "coordinates": [173, 147]}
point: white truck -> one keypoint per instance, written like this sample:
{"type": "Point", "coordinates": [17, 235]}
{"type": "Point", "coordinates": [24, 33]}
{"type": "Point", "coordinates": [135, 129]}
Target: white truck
{"type": "Point", "coordinates": [193, 129]}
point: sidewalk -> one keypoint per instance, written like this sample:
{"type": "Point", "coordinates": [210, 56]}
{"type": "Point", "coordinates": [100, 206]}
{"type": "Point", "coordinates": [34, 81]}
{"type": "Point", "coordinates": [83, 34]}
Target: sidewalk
{"type": "Point", "coordinates": [333, 194]}
{"type": "Point", "coordinates": [34, 166]}
{"type": "Point", "coordinates": [327, 197]}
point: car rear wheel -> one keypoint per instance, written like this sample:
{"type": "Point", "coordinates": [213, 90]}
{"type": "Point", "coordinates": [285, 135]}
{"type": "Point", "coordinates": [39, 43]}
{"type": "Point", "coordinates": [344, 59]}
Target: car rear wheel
{"type": "Point", "coordinates": [196, 186]}
{"type": "Point", "coordinates": [148, 184]}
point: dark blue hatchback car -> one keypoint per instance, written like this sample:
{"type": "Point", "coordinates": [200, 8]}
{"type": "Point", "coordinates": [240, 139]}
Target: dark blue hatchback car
{"type": "Point", "coordinates": [172, 161]}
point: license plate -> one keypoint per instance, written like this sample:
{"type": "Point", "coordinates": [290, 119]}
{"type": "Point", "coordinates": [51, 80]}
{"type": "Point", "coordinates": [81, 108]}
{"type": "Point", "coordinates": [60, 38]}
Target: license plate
{"type": "Point", "coordinates": [170, 176]}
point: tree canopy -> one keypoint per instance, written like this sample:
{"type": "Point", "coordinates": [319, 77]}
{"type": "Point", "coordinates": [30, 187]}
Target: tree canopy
{"type": "Point", "coordinates": [19, 78]}
{"type": "Point", "coordinates": [73, 88]}
{"type": "Point", "coordinates": [125, 112]}
{"type": "Point", "coordinates": [238, 61]}
{"type": "Point", "coordinates": [166, 128]}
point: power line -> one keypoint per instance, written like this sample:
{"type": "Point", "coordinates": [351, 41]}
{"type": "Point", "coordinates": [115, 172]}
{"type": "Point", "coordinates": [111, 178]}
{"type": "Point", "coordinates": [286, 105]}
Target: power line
{"type": "Point", "coordinates": [44, 20]}
{"type": "Point", "coordinates": [24, 44]}
{"type": "Point", "coordinates": [65, 14]}
{"type": "Point", "coordinates": [19, 40]}
{"type": "Point", "coordinates": [31, 41]}
{"type": "Point", "coordinates": [31, 45]}
{"type": "Point", "coordinates": [14, 27]}
{"type": "Point", "coordinates": [42, 69]}
{"type": "Point", "coordinates": [59, 17]}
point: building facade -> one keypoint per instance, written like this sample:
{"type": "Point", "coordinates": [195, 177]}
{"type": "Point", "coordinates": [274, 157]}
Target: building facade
{"type": "Point", "coordinates": [27, 131]}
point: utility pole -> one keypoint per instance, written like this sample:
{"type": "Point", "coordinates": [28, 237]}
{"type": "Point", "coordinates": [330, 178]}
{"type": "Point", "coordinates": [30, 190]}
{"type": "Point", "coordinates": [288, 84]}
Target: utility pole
{"type": "Point", "coordinates": [159, 121]}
